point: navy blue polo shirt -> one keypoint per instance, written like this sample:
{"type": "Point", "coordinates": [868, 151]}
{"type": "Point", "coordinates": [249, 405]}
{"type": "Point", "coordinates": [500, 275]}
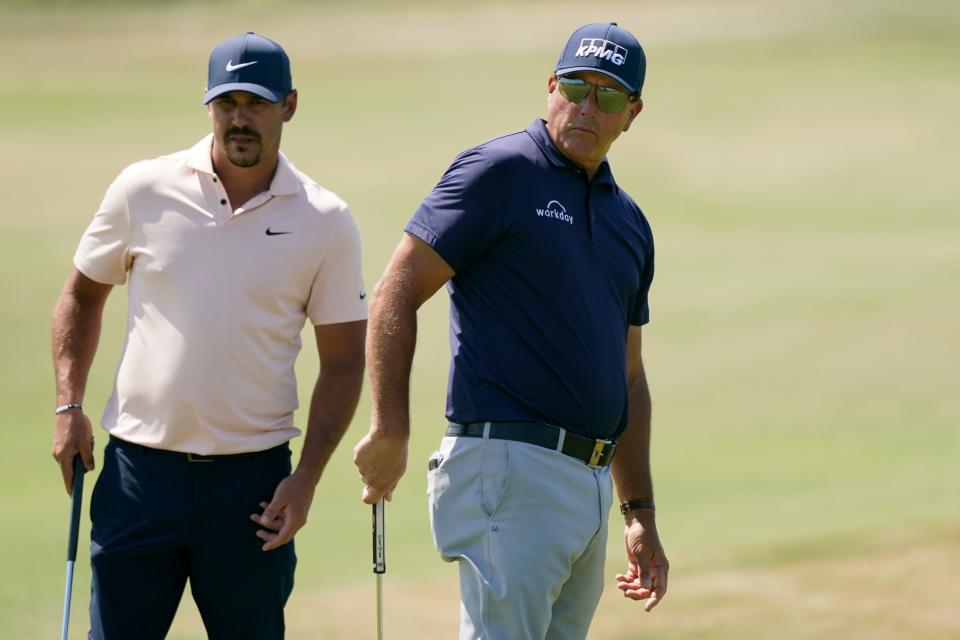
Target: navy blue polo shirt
{"type": "Point", "coordinates": [551, 270]}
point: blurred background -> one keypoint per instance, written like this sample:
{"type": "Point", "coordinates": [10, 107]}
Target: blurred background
{"type": "Point", "coordinates": [798, 163]}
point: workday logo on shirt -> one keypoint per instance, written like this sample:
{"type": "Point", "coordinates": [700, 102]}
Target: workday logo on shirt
{"type": "Point", "coordinates": [556, 211]}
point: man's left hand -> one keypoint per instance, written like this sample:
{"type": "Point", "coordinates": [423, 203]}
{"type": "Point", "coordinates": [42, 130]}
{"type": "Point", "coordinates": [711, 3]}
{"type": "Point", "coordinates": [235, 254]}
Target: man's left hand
{"type": "Point", "coordinates": [646, 575]}
{"type": "Point", "coordinates": [286, 513]}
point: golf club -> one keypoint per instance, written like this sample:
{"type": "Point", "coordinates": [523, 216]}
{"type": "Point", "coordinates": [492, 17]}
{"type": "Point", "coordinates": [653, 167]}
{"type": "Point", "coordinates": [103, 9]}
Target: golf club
{"type": "Point", "coordinates": [379, 560]}
{"type": "Point", "coordinates": [76, 499]}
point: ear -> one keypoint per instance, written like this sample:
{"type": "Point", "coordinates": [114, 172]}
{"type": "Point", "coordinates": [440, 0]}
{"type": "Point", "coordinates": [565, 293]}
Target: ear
{"type": "Point", "coordinates": [633, 110]}
{"type": "Point", "coordinates": [289, 105]}
{"type": "Point", "coordinates": [551, 83]}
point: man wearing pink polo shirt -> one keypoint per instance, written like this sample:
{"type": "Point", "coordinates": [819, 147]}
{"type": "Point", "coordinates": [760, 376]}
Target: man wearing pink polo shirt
{"type": "Point", "coordinates": [228, 250]}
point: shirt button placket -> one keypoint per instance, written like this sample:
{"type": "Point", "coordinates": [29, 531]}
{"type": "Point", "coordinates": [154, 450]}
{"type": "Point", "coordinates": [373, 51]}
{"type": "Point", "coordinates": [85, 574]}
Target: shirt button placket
{"type": "Point", "coordinates": [591, 218]}
{"type": "Point", "coordinates": [591, 210]}
{"type": "Point", "coordinates": [222, 200]}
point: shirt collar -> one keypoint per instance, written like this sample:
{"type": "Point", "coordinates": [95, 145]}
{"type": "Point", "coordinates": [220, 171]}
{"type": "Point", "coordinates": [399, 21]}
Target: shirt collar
{"type": "Point", "coordinates": [198, 157]}
{"type": "Point", "coordinates": [538, 132]}
{"type": "Point", "coordinates": [284, 183]}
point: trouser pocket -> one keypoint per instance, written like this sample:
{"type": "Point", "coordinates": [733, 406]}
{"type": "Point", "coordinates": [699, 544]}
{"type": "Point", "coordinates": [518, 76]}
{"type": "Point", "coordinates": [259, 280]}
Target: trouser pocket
{"type": "Point", "coordinates": [494, 475]}
{"type": "Point", "coordinates": [466, 487]}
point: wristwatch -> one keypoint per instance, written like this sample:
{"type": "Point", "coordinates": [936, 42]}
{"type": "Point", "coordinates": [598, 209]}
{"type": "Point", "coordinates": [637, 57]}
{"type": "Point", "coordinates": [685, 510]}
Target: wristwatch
{"type": "Point", "coordinates": [637, 503]}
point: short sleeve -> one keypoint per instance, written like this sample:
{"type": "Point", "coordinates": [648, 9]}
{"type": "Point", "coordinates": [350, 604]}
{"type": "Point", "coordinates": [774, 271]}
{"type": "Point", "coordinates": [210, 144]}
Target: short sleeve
{"type": "Point", "coordinates": [461, 218]}
{"type": "Point", "coordinates": [104, 251]}
{"type": "Point", "coordinates": [641, 309]}
{"type": "Point", "coordinates": [338, 294]}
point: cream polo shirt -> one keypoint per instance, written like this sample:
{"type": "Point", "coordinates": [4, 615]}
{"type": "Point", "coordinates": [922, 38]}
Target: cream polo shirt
{"type": "Point", "coordinates": [217, 299]}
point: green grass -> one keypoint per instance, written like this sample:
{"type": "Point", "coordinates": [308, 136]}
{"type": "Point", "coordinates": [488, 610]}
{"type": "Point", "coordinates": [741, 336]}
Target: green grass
{"type": "Point", "coordinates": [797, 162]}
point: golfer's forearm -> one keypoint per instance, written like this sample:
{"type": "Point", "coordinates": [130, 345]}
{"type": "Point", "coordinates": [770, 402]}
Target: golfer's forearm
{"type": "Point", "coordinates": [332, 406]}
{"type": "Point", "coordinates": [391, 342]}
{"type": "Point", "coordinates": [631, 464]}
{"type": "Point", "coordinates": [74, 334]}
{"type": "Point", "coordinates": [631, 472]}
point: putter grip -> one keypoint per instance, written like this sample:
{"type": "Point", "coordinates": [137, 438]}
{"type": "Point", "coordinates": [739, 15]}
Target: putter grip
{"type": "Point", "coordinates": [76, 500]}
{"type": "Point", "coordinates": [379, 551]}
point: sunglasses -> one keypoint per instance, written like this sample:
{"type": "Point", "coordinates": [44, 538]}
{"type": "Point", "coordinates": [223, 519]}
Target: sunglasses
{"type": "Point", "coordinates": [609, 99]}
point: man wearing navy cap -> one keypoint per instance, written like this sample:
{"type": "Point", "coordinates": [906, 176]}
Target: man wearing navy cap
{"type": "Point", "coordinates": [229, 249]}
{"type": "Point", "coordinates": [548, 263]}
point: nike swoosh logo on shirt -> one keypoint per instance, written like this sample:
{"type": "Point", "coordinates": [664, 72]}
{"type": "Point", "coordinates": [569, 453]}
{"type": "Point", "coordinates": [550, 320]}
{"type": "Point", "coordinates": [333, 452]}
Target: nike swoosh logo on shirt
{"type": "Point", "coordinates": [277, 233]}
{"type": "Point", "coordinates": [234, 67]}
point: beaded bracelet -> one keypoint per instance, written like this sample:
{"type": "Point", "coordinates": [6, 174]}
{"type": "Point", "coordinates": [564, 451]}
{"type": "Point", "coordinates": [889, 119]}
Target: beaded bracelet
{"type": "Point", "coordinates": [67, 407]}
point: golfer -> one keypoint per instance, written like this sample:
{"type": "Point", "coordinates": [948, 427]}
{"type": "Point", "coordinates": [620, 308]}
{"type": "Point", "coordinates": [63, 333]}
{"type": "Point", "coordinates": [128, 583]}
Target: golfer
{"type": "Point", "coordinates": [548, 263]}
{"type": "Point", "coordinates": [228, 249]}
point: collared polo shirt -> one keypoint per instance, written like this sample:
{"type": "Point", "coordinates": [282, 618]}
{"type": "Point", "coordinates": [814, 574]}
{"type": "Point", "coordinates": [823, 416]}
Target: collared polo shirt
{"type": "Point", "coordinates": [551, 270]}
{"type": "Point", "coordinates": [217, 299]}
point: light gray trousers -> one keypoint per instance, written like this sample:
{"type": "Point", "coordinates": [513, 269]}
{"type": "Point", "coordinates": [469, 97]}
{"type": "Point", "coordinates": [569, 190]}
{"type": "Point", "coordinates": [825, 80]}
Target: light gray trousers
{"type": "Point", "coordinates": [528, 528]}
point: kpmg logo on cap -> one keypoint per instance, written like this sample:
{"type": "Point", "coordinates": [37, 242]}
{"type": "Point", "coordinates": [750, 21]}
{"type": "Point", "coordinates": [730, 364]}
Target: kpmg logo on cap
{"type": "Point", "coordinates": [603, 49]}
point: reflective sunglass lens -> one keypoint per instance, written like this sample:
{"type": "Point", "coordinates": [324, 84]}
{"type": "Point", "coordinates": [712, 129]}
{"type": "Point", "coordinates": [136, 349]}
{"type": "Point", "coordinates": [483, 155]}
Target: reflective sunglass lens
{"type": "Point", "coordinates": [611, 101]}
{"type": "Point", "coordinates": [574, 91]}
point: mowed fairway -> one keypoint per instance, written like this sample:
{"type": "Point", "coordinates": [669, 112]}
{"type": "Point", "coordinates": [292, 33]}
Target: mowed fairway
{"type": "Point", "coordinates": [798, 163]}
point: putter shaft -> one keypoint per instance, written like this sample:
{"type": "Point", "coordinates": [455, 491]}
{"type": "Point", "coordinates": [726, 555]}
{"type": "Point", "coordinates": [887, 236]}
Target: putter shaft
{"type": "Point", "coordinates": [379, 606]}
{"type": "Point", "coordinates": [379, 559]}
{"type": "Point", "coordinates": [76, 497]}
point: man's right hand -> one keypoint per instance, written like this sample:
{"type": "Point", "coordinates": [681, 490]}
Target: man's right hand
{"type": "Point", "coordinates": [73, 435]}
{"type": "Point", "coordinates": [381, 461]}
{"type": "Point", "coordinates": [415, 273]}
{"type": "Point", "coordinates": [74, 333]}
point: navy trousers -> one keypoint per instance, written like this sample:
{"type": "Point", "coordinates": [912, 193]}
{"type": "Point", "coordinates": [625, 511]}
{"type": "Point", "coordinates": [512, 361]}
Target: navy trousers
{"type": "Point", "coordinates": [161, 518]}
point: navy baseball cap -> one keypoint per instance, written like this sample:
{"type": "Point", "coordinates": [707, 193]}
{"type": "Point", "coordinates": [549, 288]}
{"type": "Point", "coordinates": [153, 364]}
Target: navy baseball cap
{"type": "Point", "coordinates": [249, 63]}
{"type": "Point", "coordinates": [605, 48]}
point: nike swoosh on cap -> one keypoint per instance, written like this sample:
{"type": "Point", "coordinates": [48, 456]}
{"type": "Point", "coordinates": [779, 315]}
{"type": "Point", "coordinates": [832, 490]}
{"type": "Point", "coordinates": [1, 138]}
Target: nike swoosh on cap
{"type": "Point", "coordinates": [234, 67]}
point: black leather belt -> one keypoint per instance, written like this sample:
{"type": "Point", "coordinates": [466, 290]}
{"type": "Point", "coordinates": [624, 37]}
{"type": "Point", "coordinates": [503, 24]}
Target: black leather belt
{"type": "Point", "coordinates": [193, 457]}
{"type": "Point", "coordinates": [594, 453]}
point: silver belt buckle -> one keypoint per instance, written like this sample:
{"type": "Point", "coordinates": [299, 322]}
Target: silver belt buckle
{"type": "Point", "coordinates": [598, 448]}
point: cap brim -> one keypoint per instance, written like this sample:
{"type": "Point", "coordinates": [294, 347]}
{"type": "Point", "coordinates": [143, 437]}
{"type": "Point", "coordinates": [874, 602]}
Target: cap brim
{"type": "Point", "coordinates": [255, 89]}
{"type": "Point", "coordinates": [631, 88]}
